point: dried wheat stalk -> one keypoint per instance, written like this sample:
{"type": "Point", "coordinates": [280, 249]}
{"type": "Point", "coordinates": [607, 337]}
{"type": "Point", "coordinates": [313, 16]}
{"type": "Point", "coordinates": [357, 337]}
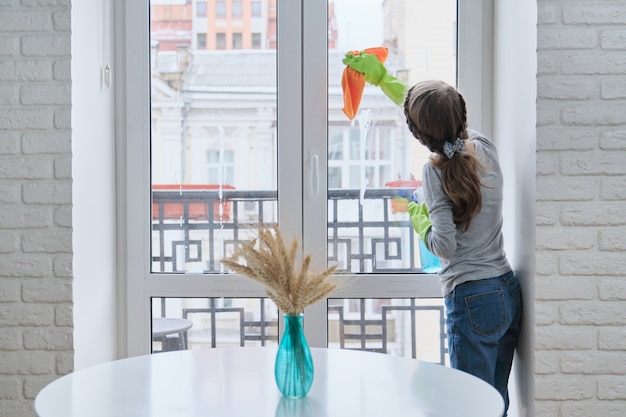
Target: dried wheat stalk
{"type": "Point", "coordinates": [267, 260]}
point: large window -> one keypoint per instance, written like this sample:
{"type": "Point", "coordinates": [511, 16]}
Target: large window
{"type": "Point", "coordinates": [222, 140]}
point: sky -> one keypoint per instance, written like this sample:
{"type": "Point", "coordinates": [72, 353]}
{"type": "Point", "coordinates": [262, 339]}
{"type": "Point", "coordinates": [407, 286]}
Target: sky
{"type": "Point", "coordinates": [360, 23]}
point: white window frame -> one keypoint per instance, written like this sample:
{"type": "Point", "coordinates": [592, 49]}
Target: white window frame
{"type": "Point", "coordinates": [136, 284]}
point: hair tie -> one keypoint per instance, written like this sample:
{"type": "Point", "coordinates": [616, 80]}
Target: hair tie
{"type": "Point", "coordinates": [449, 149]}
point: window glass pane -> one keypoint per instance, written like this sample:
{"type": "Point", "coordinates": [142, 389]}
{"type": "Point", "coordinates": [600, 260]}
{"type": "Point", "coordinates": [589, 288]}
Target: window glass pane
{"type": "Point", "coordinates": [201, 40]}
{"type": "Point", "coordinates": [334, 177]}
{"type": "Point", "coordinates": [355, 176]}
{"type": "Point", "coordinates": [410, 327]}
{"type": "Point", "coordinates": [220, 9]}
{"type": "Point", "coordinates": [385, 172]}
{"type": "Point", "coordinates": [201, 9]}
{"type": "Point", "coordinates": [237, 9]}
{"type": "Point", "coordinates": [370, 176]}
{"type": "Point", "coordinates": [220, 40]}
{"type": "Point", "coordinates": [221, 167]}
{"type": "Point", "coordinates": [196, 323]}
{"type": "Point", "coordinates": [213, 132]}
{"type": "Point", "coordinates": [335, 144]}
{"type": "Point", "coordinates": [355, 144]}
{"type": "Point", "coordinates": [237, 39]}
{"type": "Point", "coordinates": [256, 8]}
{"type": "Point", "coordinates": [256, 40]}
{"type": "Point", "coordinates": [420, 37]}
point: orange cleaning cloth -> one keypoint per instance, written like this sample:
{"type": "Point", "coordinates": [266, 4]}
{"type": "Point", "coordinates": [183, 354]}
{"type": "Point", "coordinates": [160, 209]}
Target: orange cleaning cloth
{"type": "Point", "coordinates": [353, 82]}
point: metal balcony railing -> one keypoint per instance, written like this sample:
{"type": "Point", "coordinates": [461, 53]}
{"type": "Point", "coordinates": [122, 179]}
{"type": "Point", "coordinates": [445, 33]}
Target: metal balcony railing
{"type": "Point", "coordinates": [367, 232]}
{"type": "Point", "coordinates": [395, 328]}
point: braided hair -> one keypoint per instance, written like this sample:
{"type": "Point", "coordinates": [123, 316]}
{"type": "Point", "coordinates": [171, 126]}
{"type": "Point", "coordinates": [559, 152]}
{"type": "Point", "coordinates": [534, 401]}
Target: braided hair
{"type": "Point", "coordinates": [436, 113]}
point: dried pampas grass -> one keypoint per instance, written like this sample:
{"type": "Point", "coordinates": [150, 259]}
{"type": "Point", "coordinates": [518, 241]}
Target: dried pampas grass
{"type": "Point", "coordinates": [267, 260]}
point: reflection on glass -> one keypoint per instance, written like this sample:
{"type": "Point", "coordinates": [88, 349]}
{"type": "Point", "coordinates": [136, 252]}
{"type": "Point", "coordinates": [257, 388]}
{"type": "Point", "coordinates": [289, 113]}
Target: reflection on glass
{"type": "Point", "coordinates": [382, 156]}
{"type": "Point", "coordinates": [410, 327]}
{"type": "Point", "coordinates": [196, 323]}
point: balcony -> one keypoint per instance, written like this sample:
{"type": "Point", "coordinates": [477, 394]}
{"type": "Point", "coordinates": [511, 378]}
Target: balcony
{"type": "Point", "coordinates": [194, 228]}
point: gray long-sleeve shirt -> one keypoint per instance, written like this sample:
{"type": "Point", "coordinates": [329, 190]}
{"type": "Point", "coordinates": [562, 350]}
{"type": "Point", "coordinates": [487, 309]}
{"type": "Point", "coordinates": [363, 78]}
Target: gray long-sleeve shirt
{"type": "Point", "coordinates": [477, 252]}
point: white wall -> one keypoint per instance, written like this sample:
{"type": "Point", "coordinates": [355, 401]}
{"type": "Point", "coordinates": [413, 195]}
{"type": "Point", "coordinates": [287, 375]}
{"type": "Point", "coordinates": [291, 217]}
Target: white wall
{"type": "Point", "coordinates": [580, 274]}
{"type": "Point", "coordinates": [93, 166]}
{"type": "Point", "coordinates": [515, 133]}
{"type": "Point", "coordinates": [36, 277]}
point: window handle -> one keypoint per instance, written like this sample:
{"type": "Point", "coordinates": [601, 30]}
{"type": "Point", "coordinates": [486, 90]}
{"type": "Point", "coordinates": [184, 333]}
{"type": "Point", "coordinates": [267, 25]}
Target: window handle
{"type": "Point", "coordinates": [107, 75]}
{"type": "Point", "coordinates": [314, 162]}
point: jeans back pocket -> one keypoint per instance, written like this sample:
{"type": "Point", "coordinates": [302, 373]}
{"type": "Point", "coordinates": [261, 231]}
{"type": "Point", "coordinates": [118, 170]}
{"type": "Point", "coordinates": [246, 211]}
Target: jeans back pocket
{"type": "Point", "coordinates": [487, 312]}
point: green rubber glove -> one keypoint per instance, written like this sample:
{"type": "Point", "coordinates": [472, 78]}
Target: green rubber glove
{"type": "Point", "coordinates": [375, 73]}
{"type": "Point", "coordinates": [420, 220]}
{"type": "Point", "coordinates": [367, 64]}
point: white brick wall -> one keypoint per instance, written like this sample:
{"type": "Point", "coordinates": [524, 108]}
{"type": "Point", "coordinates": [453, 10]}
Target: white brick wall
{"type": "Point", "coordinates": [580, 345]}
{"type": "Point", "coordinates": [36, 327]}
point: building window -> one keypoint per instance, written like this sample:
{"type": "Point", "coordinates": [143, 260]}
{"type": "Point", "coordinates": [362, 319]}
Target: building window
{"type": "Point", "coordinates": [201, 41]}
{"type": "Point", "coordinates": [237, 10]}
{"type": "Point", "coordinates": [220, 9]}
{"type": "Point", "coordinates": [237, 41]}
{"type": "Point", "coordinates": [348, 153]}
{"type": "Point", "coordinates": [201, 9]}
{"type": "Point", "coordinates": [334, 177]}
{"type": "Point", "coordinates": [335, 144]}
{"type": "Point", "coordinates": [220, 41]}
{"type": "Point", "coordinates": [256, 41]}
{"type": "Point", "coordinates": [221, 169]}
{"type": "Point", "coordinates": [256, 8]}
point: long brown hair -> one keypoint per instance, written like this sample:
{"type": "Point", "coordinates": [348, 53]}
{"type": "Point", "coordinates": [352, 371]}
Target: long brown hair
{"type": "Point", "coordinates": [436, 113]}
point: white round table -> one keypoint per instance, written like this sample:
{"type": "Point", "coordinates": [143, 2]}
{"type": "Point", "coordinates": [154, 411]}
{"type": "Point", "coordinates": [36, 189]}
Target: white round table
{"type": "Point", "coordinates": [238, 382]}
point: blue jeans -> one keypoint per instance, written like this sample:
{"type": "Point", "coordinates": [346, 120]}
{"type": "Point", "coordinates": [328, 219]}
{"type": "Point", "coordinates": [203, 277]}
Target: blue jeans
{"type": "Point", "coordinates": [483, 323]}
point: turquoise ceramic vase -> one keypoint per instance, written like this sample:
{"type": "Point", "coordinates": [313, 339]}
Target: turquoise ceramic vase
{"type": "Point", "coordinates": [294, 365]}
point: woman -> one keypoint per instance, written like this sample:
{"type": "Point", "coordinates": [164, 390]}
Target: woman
{"type": "Point", "coordinates": [461, 222]}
